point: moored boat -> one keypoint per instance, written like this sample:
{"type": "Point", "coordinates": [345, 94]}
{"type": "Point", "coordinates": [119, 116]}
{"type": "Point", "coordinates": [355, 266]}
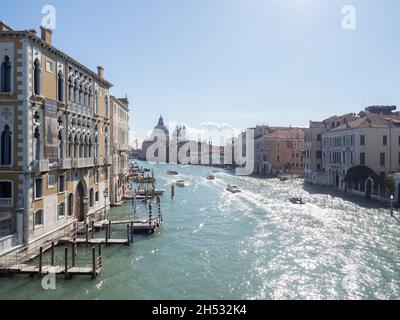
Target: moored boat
{"type": "Point", "coordinates": [210, 177]}
{"type": "Point", "coordinates": [172, 172]}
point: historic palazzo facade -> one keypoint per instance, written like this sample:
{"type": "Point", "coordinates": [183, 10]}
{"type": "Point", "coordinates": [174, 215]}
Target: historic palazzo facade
{"type": "Point", "coordinates": [55, 136]}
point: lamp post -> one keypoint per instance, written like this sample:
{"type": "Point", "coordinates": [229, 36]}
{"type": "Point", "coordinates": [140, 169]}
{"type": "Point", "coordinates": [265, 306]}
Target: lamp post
{"type": "Point", "coordinates": [105, 193]}
{"type": "Point", "coordinates": [391, 204]}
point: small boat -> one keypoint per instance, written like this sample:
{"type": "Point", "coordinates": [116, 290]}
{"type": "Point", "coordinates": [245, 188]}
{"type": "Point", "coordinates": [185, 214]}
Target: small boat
{"type": "Point", "coordinates": [233, 189]}
{"type": "Point", "coordinates": [172, 173]}
{"type": "Point", "coordinates": [180, 183]}
{"type": "Point", "coordinates": [144, 180]}
{"type": "Point", "coordinates": [297, 201]}
{"type": "Point", "coordinates": [215, 171]}
{"type": "Point", "coordinates": [146, 170]}
{"type": "Point", "coordinates": [210, 177]}
{"type": "Point", "coordinates": [283, 179]}
{"type": "Point", "coordinates": [150, 192]}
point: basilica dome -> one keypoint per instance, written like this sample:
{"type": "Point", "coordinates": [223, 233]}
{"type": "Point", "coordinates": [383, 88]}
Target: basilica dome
{"type": "Point", "coordinates": [161, 126]}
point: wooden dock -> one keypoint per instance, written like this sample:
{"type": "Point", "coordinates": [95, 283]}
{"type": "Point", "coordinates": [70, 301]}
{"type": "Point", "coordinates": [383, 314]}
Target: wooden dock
{"type": "Point", "coordinates": [136, 226]}
{"type": "Point", "coordinates": [67, 270]}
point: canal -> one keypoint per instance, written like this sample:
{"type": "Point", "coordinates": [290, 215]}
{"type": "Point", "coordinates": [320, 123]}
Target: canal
{"type": "Point", "coordinates": [252, 245]}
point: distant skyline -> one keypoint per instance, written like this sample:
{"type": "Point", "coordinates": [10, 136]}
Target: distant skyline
{"type": "Point", "coordinates": [233, 62]}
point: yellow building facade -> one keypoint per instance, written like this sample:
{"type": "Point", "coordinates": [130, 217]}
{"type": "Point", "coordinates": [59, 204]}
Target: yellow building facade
{"type": "Point", "coordinates": [55, 141]}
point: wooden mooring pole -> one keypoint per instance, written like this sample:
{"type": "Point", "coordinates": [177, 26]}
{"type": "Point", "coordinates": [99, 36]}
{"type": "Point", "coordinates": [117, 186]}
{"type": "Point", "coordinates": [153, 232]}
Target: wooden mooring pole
{"type": "Point", "coordinates": [52, 254]}
{"type": "Point", "coordinates": [87, 234]}
{"type": "Point", "coordinates": [106, 236]}
{"type": "Point", "coordinates": [93, 262]}
{"type": "Point", "coordinates": [128, 236]}
{"type": "Point", "coordinates": [40, 261]}
{"type": "Point", "coordinates": [73, 254]}
{"type": "Point", "coordinates": [172, 191]}
{"type": "Point", "coordinates": [92, 229]}
{"type": "Point", "coordinates": [66, 263]}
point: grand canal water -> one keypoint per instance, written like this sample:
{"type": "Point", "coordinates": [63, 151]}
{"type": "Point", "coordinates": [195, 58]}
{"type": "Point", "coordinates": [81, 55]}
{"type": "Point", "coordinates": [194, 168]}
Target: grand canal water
{"type": "Point", "coordinates": [253, 245]}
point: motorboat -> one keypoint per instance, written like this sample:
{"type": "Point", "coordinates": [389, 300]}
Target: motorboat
{"type": "Point", "coordinates": [172, 173]}
{"type": "Point", "coordinates": [233, 188]}
{"type": "Point", "coordinates": [210, 177]}
{"type": "Point", "coordinates": [180, 183]}
{"type": "Point", "coordinates": [284, 179]}
{"type": "Point", "coordinates": [215, 171]}
{"type": "Point", "coordinates": [297, 201]}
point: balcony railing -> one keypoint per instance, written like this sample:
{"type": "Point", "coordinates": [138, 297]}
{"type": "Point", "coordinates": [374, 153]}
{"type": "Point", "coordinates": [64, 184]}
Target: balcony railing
{"type": "Point", "coordinates": [83, 163]}
{"type": "Point", "coordinates": [65, 164]}
{"type": "Point", "coordinates": [40, 165]}
{"type": "Point", "coordinates": [80, 109]}
{"type": "Point", "coordinates": [99, 161]}
{"type": "Point", "coordinates": [108, 160]}
{"type": "Point", "coordinates": [5, 203]}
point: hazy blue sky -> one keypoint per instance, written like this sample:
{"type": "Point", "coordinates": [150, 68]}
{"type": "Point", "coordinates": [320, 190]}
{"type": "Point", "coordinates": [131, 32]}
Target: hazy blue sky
{"type": "Point", "coordinates": [242, 62]}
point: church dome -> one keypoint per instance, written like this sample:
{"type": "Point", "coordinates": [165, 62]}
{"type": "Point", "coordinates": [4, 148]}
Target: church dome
{"type": "Point", "coordinates": [161, 126]}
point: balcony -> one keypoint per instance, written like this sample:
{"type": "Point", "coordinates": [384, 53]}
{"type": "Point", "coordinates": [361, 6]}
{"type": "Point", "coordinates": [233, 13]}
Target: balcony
{"type": "Point", "coordinates": [80, 109]}
{"type": "Point", "coordinates": [83, 163]}
{"type": "Point", "coordinates": [6, 203]}
{"type": "Point", "coordinates": [99, 161]}
{"type": "Point", "coordinates": [65, 164]}
{"type": "Point", "coordinates": [108, 160]}
{"type": "Point", "coordinates": [40, 165]}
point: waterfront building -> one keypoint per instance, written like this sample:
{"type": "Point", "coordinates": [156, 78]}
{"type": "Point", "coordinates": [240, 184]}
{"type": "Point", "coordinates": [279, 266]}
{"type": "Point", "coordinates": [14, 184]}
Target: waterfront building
{"type": "Point", "coordinates": [313, 146]}
{"type": "Point", "coordinates": [278, 150]}
{"type": "Point", "coordinates": [55, 152]}
{"type": "Point", "coordinates": [372, 140]}
{"type": "Point", "coordinates": [119, 120]}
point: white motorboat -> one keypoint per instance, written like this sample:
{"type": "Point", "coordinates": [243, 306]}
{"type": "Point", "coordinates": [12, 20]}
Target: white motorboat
{"type": "Point", "coordinates": [180, 183]}
{"type": "Point", "coordinates": [233, 189]}
{"type": "Point", "coordinates": [210, 177]}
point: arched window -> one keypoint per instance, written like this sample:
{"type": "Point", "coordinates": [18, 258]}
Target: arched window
{"type": "Point", "coordinates": [37, 77]}
{"type": "Point", "coordinates": [96, 102]}
{"type": "Point", "coordinates": [36, 143]}
{"type": "Point", "coordinates": [60, 146]}
{"type": "Point", "coordinates": [60, 84]}
{"type": "Point", "coordinates": [70, 204]}
{"type": "Point", "coordinates": [76, 93]}
{"type": "Point", "coordinates": [90, 97]}
{"type": "Point", "coordinates": [6, 75]}
{"type": "Point", "coordinates": [81, 148]}
{"type": "Point", "coordinates": [106, 145]}
{"type": "Point", "coordinates": [76, 146]}
{"type": "Point", "coordinates": [70, 146]}
{"type": "Point", "coordinates": [6, 145]}
{"type": "Point", "coordinates": [106, 103]}
{"type": "Point", "coordinates": [61, 210]}
{"type": "Point", "coordinates": [91, 197]}
{"type": "Point", "coordinates": [38, 218]}
{"type": "Point", "coordinates": [90, 149]}
{"type": "Point", "coordinates": [81, 96]}
{"type": "Point", "coordinates": [96, 148]}
{"type": "Point", "coordinates": [71, 89]}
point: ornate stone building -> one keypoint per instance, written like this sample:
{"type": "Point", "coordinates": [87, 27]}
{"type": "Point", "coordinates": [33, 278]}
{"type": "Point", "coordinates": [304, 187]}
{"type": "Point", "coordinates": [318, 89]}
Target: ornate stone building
{"type": "Point", "coordinates": [119, 180]}
{"type": "Point", "coordinates": [55, 140]}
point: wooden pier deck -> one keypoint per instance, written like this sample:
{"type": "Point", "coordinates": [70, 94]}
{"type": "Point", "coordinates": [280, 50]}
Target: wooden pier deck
{"type": "Point", "coordinates": [24, 269]}
{"type": "Point", "coordinates": [137, 226]}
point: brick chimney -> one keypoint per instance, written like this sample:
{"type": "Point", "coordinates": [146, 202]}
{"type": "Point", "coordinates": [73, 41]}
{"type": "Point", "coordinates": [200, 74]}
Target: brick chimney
{"type": "Point", "coordinates": [47, 35]}
{"type": "Point", "coordinates": [100, 71]}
